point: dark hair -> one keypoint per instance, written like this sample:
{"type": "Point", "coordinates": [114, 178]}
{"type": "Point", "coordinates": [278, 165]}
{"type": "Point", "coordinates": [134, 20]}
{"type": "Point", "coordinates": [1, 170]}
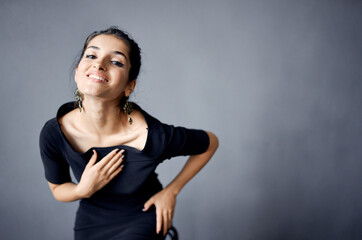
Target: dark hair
{"type": "Point", "coordinates": [133, 49]}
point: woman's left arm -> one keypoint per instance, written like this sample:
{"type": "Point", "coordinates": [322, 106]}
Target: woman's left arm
{"type": "Point", "coordinates": [165, 200]}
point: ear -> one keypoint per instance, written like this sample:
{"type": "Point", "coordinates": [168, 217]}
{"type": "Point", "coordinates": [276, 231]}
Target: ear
{"type": "Point", "coordinates": [130, 87]}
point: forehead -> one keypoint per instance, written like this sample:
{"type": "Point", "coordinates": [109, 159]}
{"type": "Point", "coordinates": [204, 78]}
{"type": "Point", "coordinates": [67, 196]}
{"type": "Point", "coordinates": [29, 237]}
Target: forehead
{"type": "Point", "coordinates": [108, 43]}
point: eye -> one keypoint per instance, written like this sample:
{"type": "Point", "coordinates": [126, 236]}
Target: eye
{"type": "Point", "coordinates": [90, 56]}
{"type": "Point", "coordinates": [119, 64]}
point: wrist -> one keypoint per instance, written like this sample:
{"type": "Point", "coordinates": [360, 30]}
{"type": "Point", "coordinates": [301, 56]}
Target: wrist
{"type": "Point", "coordinates": [80, 193]}
{"type": "Point", "coordinates": [173, 190]}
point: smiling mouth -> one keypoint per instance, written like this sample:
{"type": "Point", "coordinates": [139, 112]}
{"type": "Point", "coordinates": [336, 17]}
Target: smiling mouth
{"type": "Point", "coordinates": [98, 78]}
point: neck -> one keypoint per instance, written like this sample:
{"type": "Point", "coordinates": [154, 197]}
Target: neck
{"type": "Point", "coordinates": [102, 117]}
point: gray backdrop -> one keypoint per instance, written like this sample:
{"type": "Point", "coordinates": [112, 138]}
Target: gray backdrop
{"type": "Point", "coordinates": [279, 82]}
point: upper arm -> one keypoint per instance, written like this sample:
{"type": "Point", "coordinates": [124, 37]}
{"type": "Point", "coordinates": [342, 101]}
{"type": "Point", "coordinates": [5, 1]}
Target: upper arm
{"type": "Point", "coordinates": [56, 168]}
{"type": "Point", "coordinates": [181, 141]}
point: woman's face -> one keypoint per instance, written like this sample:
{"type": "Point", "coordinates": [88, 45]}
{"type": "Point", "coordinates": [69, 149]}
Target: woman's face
{"type": "Point", "coordinates": [104, 68]}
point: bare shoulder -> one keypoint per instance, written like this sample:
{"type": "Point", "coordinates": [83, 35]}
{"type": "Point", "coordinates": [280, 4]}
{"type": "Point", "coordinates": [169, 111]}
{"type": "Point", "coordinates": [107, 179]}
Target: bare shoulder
{"type": "Point", "coordinates": [138, 119]}
{"type": "Point", "coordinates": [138, 132]}
{"type": "Point", "coordinates": [66, 121]}
{"type": "Point", "coordinates": [67, 125]}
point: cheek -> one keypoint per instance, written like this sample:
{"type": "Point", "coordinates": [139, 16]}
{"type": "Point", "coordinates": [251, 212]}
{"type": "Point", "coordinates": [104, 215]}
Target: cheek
{"type": "Point", "coordinates": [120, 76]}
{"type": "Point", "coordinates": [77, 75]}
{"type": "Point", "coordinates": [125, 76]}
{"type": "Point", "coordinates": [80, 71]}
{"type": "Point", "coordinates": [81, 65]}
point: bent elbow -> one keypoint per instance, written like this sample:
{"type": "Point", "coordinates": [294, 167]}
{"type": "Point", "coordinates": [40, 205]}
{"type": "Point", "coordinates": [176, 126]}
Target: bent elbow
{"type": "Point", "coordinates": [214, 141]}
{"type": "Point", "coordinates": [56, 190]}
{"type": "Point", "coordinates": [57, 196]}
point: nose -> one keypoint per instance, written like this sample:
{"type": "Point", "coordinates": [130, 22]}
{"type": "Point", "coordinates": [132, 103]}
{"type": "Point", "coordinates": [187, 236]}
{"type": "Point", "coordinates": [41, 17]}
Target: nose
{"type": "Point", "coordinates": [99, 66]}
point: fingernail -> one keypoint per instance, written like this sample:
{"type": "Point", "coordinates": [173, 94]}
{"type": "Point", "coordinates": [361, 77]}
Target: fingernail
{"type": "Point", "coordinates": [144, 209]}
{"type": "Point", "coordinates": [122, 151]}
{"type": "Point", "coordinates": [122, 166]}
{"type": "Point", "coordinates": [122, 156]}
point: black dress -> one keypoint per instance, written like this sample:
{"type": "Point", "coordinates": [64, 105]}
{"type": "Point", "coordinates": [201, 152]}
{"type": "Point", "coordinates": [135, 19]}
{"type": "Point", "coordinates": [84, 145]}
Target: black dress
{"type": "Point", "coordinates": [115, 211]}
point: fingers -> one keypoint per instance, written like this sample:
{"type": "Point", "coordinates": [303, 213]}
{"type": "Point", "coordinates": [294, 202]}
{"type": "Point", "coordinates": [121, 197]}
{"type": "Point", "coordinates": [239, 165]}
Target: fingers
{"type": "Point", "coordinates": [92, 160]}
{"type": "Point", "coordinates": [148, 204]}
{"type": "Point", "coordinates": [165, 205]}
{"type": "Point", "coordinates": [165, 222]}
{"type": "Point", "coordinates": [113, 163]}
{"type": "Point", "coordinates": [170, 216]}
{"type": "Point", "coordinates": [116, 167]}
{"type": "Point", "coordinates": [102, 163]}
{"type": "Point", "coordinates": [163, 219]}
{"type": "Point", "coordinates": [158, 220]}
{"type": "Point", "coordinates": [117, 170]}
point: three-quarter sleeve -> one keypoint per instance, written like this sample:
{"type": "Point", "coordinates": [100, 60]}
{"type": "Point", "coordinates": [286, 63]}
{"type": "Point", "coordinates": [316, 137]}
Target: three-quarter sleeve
{"type": "Point", "coordinates": [56, 168]}
{"type": "Point", "coordinates": [181, 141]}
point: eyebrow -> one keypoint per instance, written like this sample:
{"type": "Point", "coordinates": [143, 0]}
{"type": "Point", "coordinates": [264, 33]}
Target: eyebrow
{"type": "Point", "coordinates": [115, 52]}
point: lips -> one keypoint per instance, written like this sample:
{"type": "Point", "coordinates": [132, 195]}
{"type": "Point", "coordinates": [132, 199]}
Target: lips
{"type": "Point", "coordinates": [97, 77]}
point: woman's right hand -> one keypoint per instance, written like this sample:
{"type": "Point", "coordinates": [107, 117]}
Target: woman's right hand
{"type": "Point", "coordinates": [96, 175]}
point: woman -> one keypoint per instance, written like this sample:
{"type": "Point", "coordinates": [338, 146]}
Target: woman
{"type": "Point", "coordinates": [113, 148]}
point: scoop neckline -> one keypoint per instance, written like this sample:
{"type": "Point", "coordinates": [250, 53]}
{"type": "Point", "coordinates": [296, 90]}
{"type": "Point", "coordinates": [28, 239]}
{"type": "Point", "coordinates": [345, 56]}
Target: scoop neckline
{"type": "Point", "coordinates": [120, 146]}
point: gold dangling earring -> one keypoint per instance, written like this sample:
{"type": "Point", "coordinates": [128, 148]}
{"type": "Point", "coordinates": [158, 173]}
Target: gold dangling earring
{"type": "Point", "coordinates": [78, 97]}
{"type": "Point", "coordinates": [128, 108]}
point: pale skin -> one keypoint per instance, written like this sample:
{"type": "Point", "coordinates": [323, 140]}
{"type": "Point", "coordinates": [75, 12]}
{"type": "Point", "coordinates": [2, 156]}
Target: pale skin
{"type": "Point", "coordinates": [102, 123]}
